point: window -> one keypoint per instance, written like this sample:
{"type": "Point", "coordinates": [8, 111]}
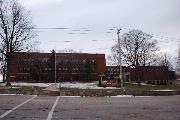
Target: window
{"type": "Point", "coordinates": [83, 61]}
{"type": "Point", "coordinates": [27, 69]}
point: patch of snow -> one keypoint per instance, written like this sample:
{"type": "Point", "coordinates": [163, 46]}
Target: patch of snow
{"type": "Point", "coordinates": [1, 78]}
{"type": "Point", "coordinates": [15, 87]}
{"type": "Point", "coordinates": [144, 84]}
{"type": "Point", "coordinates": [70, 96]}
{"type": "Point", "coordinates": [52, 87]}
{"type": "Point", "coordinates": [15, 95]}
{"type": "Point", "coordinates": [123, 96]}
{"type": "Point", "coordinates": [8, 94]}
{"type": "Point", "coordinates": [31, 84]}
{"type": "Point", "coordinates": [164, 90]}
{"type": "Point", "coordinates": [2, 84]}
{"type": "Point", "coordinates": [128, 96]}
{"type": "Point", "coordinates": [143, 96]}
{"type": "Point", "coordinates": [92, 85]}
{"type": "Point", "coordinates": [138, 83]}
{"type": "Point", "coordinates": [80, 85]}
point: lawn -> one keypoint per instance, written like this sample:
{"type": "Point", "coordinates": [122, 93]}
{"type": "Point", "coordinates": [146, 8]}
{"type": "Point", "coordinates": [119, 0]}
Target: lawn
{"type": "Point", "coordinates": [91, 89]}
{"type": "Point", "coordinates": [148, 87]}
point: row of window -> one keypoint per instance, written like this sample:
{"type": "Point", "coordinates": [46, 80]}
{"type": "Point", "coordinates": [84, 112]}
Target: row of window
{"type": "Point", "coordinates": [26, 69]}
{"type": "Point", "coordinates": [43, 77]}
{"type": "Point", "coordinates": [111, 70]}
{"type": "Point", "coordinates": [58, 61]}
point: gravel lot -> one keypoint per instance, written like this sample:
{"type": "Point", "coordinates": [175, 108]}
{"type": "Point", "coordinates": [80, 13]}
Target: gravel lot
{"type": "Point", "coordinates": [16, 107]}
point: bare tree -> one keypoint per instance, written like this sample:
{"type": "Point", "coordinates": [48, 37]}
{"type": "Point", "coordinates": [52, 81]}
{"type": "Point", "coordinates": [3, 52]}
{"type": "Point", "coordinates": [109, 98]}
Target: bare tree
{"type": "Point", "coordinates": [113, 58]}
{"type": "Point", "coordinates": [164, 60]}
{"type": "Point", "coordinates": [15, 31]}
{"type": "Point", "coordinates": [138, 49]}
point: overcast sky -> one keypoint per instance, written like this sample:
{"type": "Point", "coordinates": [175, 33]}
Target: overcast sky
{"type": "Point", "coordinates": [91, 23]}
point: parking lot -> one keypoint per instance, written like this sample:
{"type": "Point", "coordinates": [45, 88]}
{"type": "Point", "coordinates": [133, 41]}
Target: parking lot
{"type": "Point", "coordinates": [22, 107]}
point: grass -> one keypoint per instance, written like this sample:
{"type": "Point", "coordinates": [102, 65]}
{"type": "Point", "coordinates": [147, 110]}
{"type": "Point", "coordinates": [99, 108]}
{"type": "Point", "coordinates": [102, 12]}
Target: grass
{"type": "Point", "coordinates": [148, 87]}
{"type": "Point", "coordinates": [21, 89]}
{"type": "Point", "coordinates": [129, 88]}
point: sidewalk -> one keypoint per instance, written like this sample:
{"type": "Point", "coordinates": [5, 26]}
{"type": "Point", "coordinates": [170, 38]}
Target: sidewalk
{"type": "Point", "coordinates": [52, 87]}
{"type": "Point", "coordinates": [52, 90]}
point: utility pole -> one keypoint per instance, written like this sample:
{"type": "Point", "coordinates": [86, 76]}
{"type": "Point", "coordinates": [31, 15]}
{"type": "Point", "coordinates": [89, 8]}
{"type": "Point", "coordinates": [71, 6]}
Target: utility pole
{"type": "Point", "coordinates": [71, 66]}
{"type": "Point", "coordinates": [136, 54]}
{"type": "Point", "coordinates": [165, 60]}
{"type": "Point", "coordinates": [120, 59]}
{"type": "Point", "coordinates": [137, 63]}
{"type": "Point", "coordinates": [101, 79]}
{"type": "Point", "coordinates": [55, 66]}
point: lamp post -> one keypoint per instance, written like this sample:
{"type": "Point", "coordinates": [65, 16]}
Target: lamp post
{"type": "Point", "coordinates": [55, 66]}
{"type": "Point", "coordinates": [101, 79]}
{"type": "Point", "coordinates": [119, 58]}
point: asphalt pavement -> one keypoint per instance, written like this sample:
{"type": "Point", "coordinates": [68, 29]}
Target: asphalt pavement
{"type": "Point", "coordinates": [23, 107]}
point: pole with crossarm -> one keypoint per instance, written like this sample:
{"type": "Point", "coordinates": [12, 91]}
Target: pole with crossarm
{"type": "Point", "coordinates": [120, 58]}
{"type": "Point", "coordinates": [55, 66]}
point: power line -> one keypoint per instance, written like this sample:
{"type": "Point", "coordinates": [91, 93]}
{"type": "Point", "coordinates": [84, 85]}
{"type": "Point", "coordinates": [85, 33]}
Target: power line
{"type": "Point", "coordinates": [159, 38]}
{"type": "Point", "coordinates": [55, 28]}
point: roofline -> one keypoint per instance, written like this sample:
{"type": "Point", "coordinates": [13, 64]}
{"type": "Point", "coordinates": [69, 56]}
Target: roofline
{"type": "Point", "coordinates": [62, 53]}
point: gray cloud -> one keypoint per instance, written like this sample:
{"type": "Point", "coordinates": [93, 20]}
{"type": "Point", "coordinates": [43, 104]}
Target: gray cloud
{"type": "Point", "coordinates": [160, 17]}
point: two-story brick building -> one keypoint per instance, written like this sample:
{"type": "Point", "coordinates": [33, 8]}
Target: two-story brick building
{"type": "Point", "coordinates": [41, 67]}
{"type": "Point", "coordinates": [51, 67]}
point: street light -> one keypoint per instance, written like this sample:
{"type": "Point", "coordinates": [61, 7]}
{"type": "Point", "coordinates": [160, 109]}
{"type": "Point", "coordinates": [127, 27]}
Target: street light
{"type": "Point", "coordinates": [119, 58]}
{"type": "Point", "coordinates": [55, 66]}
{"type": "Point", "coordinates": [101, 79]}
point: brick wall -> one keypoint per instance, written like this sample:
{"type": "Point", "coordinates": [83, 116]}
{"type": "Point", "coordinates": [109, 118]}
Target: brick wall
{"type": "Point", "coordinates": [38, 67]}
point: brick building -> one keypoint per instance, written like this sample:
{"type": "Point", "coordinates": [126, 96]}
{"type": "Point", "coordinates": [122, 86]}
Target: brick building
{"type": "Point", "coordinates": [147, 74]}
{"type": "Point", "coordinates": [40, 67]}
{"type": "Point", "coordinates": [112, 72]}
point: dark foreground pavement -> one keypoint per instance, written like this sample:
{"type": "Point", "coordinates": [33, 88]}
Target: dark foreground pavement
{"type": "Point", "coordinates": [89, 108]}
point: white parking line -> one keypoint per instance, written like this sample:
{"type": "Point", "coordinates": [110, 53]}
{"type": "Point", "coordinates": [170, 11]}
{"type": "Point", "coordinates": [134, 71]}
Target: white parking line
{"type": "Point", "coordinates": [9, 111]}
{"type": "Point", "coordinates": [52, 109]}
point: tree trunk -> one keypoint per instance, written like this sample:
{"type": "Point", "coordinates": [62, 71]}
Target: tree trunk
{"type": "Point", "coordinates": [8, 61]}
{"type": "Point", "coordinates": [4, 75]}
